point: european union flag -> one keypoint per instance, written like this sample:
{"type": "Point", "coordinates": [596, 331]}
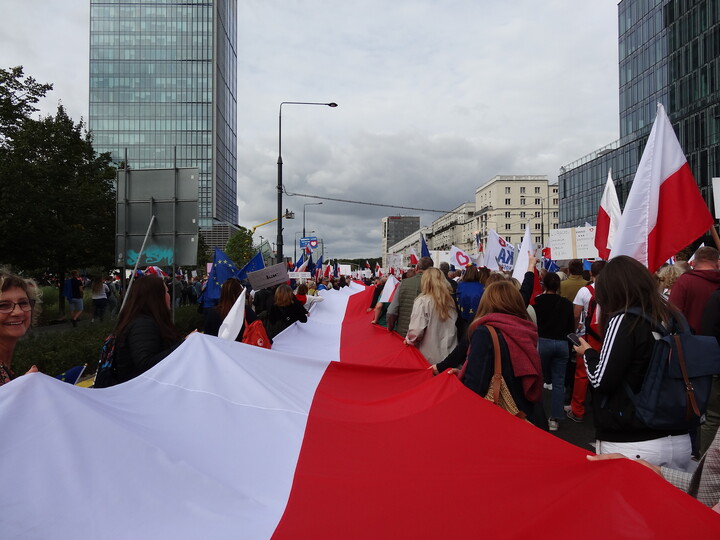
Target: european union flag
{"type": "Point", "coordinates": [424, 251]}
{"type": "Point", "coordinates": [310, 265]}
{"type": "Point", "coordinates": [223, 268]}
{"type": "Point", "coordinates": [256, 263]}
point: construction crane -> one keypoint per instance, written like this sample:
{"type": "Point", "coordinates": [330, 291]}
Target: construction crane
{"type": "Point", "coordinates": [288, 215]}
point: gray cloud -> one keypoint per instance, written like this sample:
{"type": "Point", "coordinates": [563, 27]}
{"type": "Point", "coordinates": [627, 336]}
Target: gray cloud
{"type": "Point", "coordinates": [435, 98]}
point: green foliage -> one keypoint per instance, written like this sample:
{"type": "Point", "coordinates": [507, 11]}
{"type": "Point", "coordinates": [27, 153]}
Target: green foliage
{"type": "Point", "coordinates": [18, 95]}
{"type": "Point", "coordinates": [57, 195]}
{"type": "Point", "coordinates": [240, 247]}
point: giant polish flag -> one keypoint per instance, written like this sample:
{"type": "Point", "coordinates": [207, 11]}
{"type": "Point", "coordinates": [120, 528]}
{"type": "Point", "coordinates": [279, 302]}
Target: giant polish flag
{"type": "Point", "coordinates": [665, 210]}
{"type": "Point", "coordinates": [226, 440]}
{"type": "Point", "coordinates": [608, 219]}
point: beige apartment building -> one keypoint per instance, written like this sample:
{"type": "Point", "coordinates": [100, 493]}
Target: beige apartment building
{"type": "Point", "coordinates": [509, 204]}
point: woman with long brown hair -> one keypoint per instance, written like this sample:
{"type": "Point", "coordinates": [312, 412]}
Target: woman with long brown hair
{"type": "Point", "coordinates": [144, 333]}
{"type": "Point", "coordinates": [285, 310]}
{"type": "Point", "coordinates": [229, 293]}
{"type": "Point", "coordinates": [503, 308]}
{"type": "Point", "coordinates": [432, 321]}
{"type": "Point", "coordinates": [628, 341]}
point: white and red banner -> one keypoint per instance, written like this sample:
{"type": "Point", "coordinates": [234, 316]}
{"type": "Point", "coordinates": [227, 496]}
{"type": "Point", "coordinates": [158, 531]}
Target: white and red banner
{"type": "Point", "coordinates": [665, 210]}
{"type": "Point", "coordinates": [226, 440]}
{"type": "Point", "coordinates": [608, 219]}
{"type": "Point", "coordinates": [499, 254]}
{"type": "Point", "coordinates": [459, 258]}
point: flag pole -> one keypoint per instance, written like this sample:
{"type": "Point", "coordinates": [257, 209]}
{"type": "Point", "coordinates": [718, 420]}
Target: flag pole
{"type": "Point", "coordinates": [715, 236]}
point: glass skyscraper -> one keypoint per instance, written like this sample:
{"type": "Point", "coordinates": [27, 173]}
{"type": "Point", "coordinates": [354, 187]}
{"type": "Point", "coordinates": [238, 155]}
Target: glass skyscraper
{"type": "Point", "coordinates": [163, 75]}
{"type": "Point", "coordinates": [669, 53]}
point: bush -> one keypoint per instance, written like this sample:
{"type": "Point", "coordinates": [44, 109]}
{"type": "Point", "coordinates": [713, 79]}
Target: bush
{"type": "Point", "coordinates": [56, 349]}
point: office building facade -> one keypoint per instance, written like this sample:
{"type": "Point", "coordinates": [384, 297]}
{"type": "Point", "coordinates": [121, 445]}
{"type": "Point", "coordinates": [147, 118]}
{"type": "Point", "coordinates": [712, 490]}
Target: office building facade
{"type": "Point", "coordinates": [395, 228]}
{"type": "Point", "coordinates": [163, 81]}
{"type": "Point", "coordinates": [669, 53]}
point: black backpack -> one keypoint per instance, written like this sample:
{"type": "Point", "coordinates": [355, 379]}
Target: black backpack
{"type": "Point", "coordinates": [676, 388]}
{"type": "Point", "coordinates": [105, 375]}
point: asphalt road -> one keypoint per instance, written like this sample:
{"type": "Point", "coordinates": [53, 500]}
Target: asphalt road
{"type": "Point", "coordinates": [579, 434]}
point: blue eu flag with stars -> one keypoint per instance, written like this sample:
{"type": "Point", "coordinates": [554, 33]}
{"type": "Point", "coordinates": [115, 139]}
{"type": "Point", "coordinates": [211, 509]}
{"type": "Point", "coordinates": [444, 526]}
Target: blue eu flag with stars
{"type": "Point", "coordinates": [223, 268]}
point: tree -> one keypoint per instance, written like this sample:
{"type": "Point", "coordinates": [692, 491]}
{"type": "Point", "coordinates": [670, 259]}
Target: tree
{"type": "Point", "coordinates": [57, 201]}
{"type": "Point", "coordinates": [18, 96]}
{"type": "Point", "coordinates": [240, 247]}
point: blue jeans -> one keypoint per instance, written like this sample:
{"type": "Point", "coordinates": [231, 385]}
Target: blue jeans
{"type": "Point", "coordinates": [555, 354]}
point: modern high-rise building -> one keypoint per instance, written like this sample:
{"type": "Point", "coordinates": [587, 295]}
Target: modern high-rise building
{"type": "Point", "coordinates": [669, 53]}
{"type": "Point", "coordinates": [395, 228]}
{"type": "Point", "coordinates": [163, 82]}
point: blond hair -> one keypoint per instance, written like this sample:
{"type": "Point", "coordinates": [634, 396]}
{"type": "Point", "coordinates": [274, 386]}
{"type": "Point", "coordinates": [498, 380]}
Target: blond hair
{"type": "Point", "coordinates": [435, 285]}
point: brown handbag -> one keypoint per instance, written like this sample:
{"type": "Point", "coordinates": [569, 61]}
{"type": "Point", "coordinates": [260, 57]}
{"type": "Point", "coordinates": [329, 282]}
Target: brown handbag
{"type": "Point", "coordinates": [498, 391]}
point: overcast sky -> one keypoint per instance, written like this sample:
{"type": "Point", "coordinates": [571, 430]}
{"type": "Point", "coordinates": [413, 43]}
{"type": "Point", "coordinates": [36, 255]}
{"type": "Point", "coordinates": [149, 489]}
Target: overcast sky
{"type": "Point", "coordinates": [435, 98]}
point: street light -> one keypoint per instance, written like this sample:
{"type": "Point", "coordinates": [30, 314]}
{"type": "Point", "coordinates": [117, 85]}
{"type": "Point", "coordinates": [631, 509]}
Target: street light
{"type": "Point", "coordinates": [304, 205]}
{"type": "Point", "coordinates": [279, 164]}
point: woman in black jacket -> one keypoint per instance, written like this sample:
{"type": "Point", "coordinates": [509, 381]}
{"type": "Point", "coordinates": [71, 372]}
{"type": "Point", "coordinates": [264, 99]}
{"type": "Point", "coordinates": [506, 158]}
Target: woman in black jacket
{"type": "Point", "coordinates": [144, 333]}
{"type": "Point", "coordinates": [622, 362]}
{"type": "Point", "coordinates": [555, 320]}
{"type": "Point", "coordinates": [286, 310]}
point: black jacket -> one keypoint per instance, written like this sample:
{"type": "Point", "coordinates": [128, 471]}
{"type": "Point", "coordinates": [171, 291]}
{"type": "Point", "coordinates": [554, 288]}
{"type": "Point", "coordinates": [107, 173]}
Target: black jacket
{"type": "Point", "coordinates": [624, 358]}
{"type": "Point", "coordinates": [140, 348]}
{"type": "Point", "coordinates": [280, 317]}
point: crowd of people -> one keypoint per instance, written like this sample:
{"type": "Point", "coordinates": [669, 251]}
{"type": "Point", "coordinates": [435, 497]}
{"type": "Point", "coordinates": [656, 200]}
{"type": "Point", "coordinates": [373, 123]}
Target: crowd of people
{"type": "Point", "coordinates": [504, 339]}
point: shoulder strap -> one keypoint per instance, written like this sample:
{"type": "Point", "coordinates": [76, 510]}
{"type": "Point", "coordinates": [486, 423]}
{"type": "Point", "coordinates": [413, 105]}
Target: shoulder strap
{"type": "Point", "coordinates": [496, 380]}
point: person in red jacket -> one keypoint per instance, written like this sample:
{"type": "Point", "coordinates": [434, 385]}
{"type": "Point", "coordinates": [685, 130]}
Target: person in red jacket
{"type": "Point", "coordinates": [692, 289]}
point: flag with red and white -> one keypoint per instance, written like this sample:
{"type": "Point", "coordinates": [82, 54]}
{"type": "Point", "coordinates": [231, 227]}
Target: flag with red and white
{"type": "Point", "coordinates": [156, 271]}
{"type": "Point", "coordinates": [378, 270]}
{"type": "Point", "coordinates": [608, 219]}
{"type": "Point", "coordinates": [691, 260]}
{"type": "Point", "coordinates": [388, 292]}
{"type": "Point", "coordinates": [413, 256]}
{"type": "Point", "coordinates": [459, 258]}
{"type": "Point", "coordinates": [325, 443]}
{"type": "Point", "coordinates": [665, 210]}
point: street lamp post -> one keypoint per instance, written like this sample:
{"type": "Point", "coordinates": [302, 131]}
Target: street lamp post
{"type": "Point", "coordinates": [304, 206]}
{"type": "Point", "coordinates": [279, 179]}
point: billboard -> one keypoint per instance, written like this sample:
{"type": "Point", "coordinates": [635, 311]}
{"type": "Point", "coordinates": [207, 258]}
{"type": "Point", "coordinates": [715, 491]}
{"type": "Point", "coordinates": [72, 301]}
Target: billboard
{"type": "Point", "coordinates": [171, 196]}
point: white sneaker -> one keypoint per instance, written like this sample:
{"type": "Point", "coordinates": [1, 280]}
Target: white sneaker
{"type": "Point", "coordinates": [553, 424]}
{"type": "Point", "coordinates": [547, 386]}
{"type": "Point", "coordinates": [567, 408]}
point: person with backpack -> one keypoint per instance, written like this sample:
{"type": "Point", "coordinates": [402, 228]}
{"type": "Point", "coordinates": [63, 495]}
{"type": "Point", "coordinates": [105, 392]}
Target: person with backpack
{"type": "Point", "coordinates": [587, 325]}
{"type": "Point", "coordinates": [144, 334]}
{"type": "Point", "coordinates": [620, 366]}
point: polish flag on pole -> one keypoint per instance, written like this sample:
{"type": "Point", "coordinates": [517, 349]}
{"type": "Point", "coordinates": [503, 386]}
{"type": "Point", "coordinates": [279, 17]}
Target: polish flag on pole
{"type": "Point", "coordinates": [388, 292]}
{"type": "Point", "coordinates": [665, 210]}
{"type": "Point", "coordinates": [608, 219]}
{"type": "Point", "coordinates": [413, 256]}
{"type": "Point", "coordinates": [378, 271]}
{"type": "Point", "coordinates": [326, 428]}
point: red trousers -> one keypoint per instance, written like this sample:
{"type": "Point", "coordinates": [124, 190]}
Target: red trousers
{"type": "Point", "coordinates": [581, 381]}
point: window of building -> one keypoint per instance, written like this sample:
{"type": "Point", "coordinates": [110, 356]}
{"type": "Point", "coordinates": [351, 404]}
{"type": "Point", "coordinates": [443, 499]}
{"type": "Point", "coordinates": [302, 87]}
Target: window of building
{"type": "Point", "coordinates": [537, 226]}
{"type": "Point", "coordinates": [507, 202]}
{"type": "Point", "coordinates": [538, 240]}
{"type": "Point", "coordinates": [522, 215]}
{"type": "Point", "coordinates": [555, 214]}
{"type": "Point", "coordinates": [508, 226]}
{"type": "Point", "coordinates": [522, 226]}
{"type": "Point", "coordinates": [508, 239]}
{"type": "Point", "coordinates": [537, 201]}
{"type": "Point", "coordinates": [522, 190]}
{"type": "Point", "coordinates": [507, 190]}
{"type": "Point", "coordinates": [507, 215]}
{"type": "Point", "coordinates": [555, 190]}
{"type": "Point", "coordinates": [537, 214]}
{"type": "Point", "coordinates": [555, 201]}
{"type": "Point", "coordinates": [522, 201]}
{"type": "Point", "coordinates": [555, 225]}
{"type": "Point", "coordinates": [537, 191]}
